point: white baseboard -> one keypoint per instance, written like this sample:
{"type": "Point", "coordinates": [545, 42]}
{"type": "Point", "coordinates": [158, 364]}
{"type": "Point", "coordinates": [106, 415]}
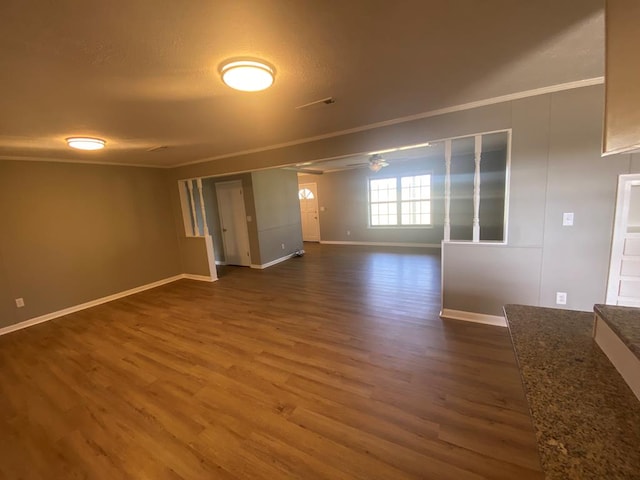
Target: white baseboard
{"type": "Point", "coordinates": [220, 262]}
{"type": "Point", "coordinates": [473, 317]}
{"type": "Point", "coordinates": [382, 244]}
{"type": "Point", "coordinates": [200, 278]}
{"type": "Point", "coordinates": [99, 301]}
{"type": "Point", "coordinates": [273, 262]}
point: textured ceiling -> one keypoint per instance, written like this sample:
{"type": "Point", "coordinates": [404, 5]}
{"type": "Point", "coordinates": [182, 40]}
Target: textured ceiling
{"type": "Point", "coordinates": [143, 73]}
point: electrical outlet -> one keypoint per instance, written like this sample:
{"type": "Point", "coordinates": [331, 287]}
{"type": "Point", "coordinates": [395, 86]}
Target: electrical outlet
{"type": "Point", "coordinates": [283, 246]}
{"type": "Point", "coordinates": [561, 298]}
{"type": "Point", "coordinates": [348, 232]}
{"type": "Point", "coordinates": [19, 302]}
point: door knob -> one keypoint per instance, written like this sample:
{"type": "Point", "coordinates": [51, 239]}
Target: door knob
{"type": "Point", "coordinates": [224, 229]}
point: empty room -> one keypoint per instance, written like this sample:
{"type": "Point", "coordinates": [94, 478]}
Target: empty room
{"type": "Point", "coordinates": [296, 239]}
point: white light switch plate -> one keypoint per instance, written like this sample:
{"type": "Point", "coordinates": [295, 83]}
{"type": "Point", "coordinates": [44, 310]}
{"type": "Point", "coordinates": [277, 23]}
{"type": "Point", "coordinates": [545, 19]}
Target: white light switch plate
{"type": "Point", "coordinates": [567, 219]}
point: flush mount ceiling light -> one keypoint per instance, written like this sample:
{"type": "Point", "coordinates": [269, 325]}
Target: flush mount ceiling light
{"type": "Point", "coordinates": [247, 75]}
{"type": "Point", "coordinates": [86, 143]}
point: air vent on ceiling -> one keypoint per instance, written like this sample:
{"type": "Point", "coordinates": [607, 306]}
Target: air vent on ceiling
{"type": "Point", "coordinates": [316, 104]}
{"type": "Point", "coordinates": [158, 148]}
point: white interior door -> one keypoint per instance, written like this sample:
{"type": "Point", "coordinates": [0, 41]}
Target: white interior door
{"type": "Point", "coordinates": [308, 195]}
{"type": "Point", "coordinates": [233, 222]}
{"type": "Point", "coordinates": [624, 270]}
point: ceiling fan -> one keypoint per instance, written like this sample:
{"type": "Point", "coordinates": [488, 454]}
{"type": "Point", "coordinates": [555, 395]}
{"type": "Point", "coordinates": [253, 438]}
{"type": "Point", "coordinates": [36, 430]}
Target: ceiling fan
{"type": "Point", "coordinates": [375, 163]}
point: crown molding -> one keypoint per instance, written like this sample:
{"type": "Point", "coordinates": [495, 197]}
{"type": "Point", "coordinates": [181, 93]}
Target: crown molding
{"type": "Point", "coordinates": [83, 162]}
{"type": "Point", "coordinates": [431, 113]}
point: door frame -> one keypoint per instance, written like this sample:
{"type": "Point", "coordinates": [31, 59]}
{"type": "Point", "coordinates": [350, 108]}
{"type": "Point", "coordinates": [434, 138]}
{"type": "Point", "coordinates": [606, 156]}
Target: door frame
{"type": "Point", "coordinates": [623, 197]}
{"type": "Point", "coordinates": [315, 192]}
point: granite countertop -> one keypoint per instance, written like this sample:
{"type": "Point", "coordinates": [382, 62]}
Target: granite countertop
{"type": "Point", "coordinates": [625, 322]}
{"type": "Point", "coordinates": [586, 418]}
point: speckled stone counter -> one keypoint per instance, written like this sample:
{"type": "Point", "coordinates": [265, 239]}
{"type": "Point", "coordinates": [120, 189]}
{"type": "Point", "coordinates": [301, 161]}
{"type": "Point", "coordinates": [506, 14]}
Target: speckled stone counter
{"type": "Point", "coordinates": [587, 420]}
{"type": "Point", "coordinates": [625, 322]}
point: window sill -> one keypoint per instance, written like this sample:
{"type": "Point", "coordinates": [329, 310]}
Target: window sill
{"type": "Point", "coordinates": [471, 242]}
{"type": "Point", "coordinates": [400, 227]}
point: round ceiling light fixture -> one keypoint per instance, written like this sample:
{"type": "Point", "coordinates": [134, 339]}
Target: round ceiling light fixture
{"type": "Point", "coordinates": [86, 143]}
{"type": "Point", "coordinates": [247, 75]}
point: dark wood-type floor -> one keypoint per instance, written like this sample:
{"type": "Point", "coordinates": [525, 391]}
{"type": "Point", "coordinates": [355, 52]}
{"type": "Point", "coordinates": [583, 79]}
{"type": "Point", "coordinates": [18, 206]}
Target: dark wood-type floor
{"type": "Point", "coordinates": [334, 366]}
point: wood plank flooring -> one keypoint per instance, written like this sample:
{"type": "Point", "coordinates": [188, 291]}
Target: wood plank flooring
{"type": "Point", "coordinates": [330, 366]}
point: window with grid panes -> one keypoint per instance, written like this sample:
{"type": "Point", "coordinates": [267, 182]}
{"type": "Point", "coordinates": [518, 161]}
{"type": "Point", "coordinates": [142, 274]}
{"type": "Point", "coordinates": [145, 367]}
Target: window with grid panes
{"type": "Point", "coordinates": [400, 201]}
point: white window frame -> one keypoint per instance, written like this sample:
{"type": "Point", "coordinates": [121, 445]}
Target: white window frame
{"type": "Point", "coordinates": [399, 201]}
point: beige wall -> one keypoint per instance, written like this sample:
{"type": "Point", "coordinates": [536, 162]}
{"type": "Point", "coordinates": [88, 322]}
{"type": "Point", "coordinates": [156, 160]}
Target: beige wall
{"type": "Point", "coordinates": [73, 233]}
{"type": "Point", "coordinates": [483, 278]}
{"type": "Point", "coordinates": [556, 167]}
{"type": "Point", "coordinates": [579, 180]}
{"type": "Point", "coordinates": [8, 314]}
{"type": "Point", "coordinates": [194, 259]}
{"type": "Point", "coordinates": [277, 213]}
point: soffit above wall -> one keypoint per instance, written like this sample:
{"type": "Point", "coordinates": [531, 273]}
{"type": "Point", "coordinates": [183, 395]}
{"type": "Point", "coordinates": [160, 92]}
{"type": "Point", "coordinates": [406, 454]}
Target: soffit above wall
{"type": "Point", "coordinates": [461, 147]}
{"type": "Point", "coordinates": [143, 74]}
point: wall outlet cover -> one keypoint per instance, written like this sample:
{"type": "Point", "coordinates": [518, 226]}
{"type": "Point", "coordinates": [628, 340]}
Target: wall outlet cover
{"type": "Point", "coordinates": [561, 298]}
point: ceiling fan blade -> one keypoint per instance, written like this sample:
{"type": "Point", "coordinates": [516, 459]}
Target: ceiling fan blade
{"type": "Point", "coordinates": [362, 164]}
